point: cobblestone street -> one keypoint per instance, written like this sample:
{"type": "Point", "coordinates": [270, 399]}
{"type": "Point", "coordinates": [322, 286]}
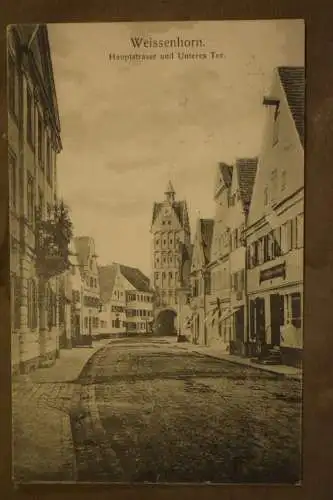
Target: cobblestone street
{"type": "Point", "coordinates": [148, 411]}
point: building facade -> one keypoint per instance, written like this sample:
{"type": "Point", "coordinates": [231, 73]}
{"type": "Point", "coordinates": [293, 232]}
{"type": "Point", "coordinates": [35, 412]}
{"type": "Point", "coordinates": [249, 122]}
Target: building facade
{"type": "Point", "coordinates": [113, 287]}
{"type": "Point", "coordinates": [36, 258]}
{"type": "Point", "coordinates": [200, 280]}
{"type": "Point", "coordinates": [139, 301]}
{"type": "Point", "coordinates": [76, 285]}
{"type": "Point", "coordinates": [219, 321]}
{"type": "Point", "coordinates": [243, 178]}
{"type": "Point", "coordinates": [127, 301]}
{"type": "Point", "coordinates": [275, 224]}
{"type": "Point", "coordinates": [171, 248]}
{"type": "Point", "coordinates": [87, 259]}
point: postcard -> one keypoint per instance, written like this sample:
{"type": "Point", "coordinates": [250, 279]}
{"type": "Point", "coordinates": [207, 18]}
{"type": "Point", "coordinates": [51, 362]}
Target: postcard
{"type": "Point", "coordinates": [156, 210]}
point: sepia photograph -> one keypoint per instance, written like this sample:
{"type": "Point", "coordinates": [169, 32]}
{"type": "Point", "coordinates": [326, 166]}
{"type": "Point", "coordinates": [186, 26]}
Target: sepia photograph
{"type": "Point", "coordinates": [156, 213]}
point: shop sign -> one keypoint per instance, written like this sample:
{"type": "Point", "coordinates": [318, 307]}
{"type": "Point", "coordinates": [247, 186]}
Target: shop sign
{"type": "Point", "coordinates": [278, 271]}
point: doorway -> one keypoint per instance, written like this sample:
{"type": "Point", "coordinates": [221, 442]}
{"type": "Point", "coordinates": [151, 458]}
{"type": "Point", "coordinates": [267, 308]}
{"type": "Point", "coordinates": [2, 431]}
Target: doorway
{"type": "Point", "coordinates": [165, 323]}
{"type": "Point", "coordinates": [260, 320]}
{"type": "Point", "coordinates": [277, 317]}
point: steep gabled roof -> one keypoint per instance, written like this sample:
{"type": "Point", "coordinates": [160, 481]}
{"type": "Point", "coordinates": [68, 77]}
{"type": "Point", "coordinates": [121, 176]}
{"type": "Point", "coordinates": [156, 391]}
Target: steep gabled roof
{"type": "Point", "coordinates": [107, 278]}
{"type": "Point", "coordinates": [293, 82]}
{"type": "Point", "coordinates": [226, 172]}
{"type": "Point", "coordinates": [207, 227]}
{"type": "Point", "coordinates": [179, 207]}
{"type": "Point", "coordinates": [83, 246]}
{"type": "Point", "coordinates": [137, 279]}
{"type": "Point", "coordinates": [246, 169]}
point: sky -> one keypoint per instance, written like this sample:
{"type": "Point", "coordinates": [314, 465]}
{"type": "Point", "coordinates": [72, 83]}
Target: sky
{"type": "Point", "coordinates": [128, 128]}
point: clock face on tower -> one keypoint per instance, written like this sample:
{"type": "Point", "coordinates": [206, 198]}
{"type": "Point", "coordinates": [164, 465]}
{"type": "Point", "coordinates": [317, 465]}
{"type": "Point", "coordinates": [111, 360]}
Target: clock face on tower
{"type": "Point", "coordinates": [167, 211]}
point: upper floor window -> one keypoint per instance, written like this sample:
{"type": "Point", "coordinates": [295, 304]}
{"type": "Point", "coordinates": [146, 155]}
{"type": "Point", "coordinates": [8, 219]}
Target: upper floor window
{"type": "Point", "coordinates": [41, 202]}
{"type": "Point", "coordinates": [40, 141]}
{"type": "Point", "coordinates": [30, 118]}
{"type": "Point", "coordinates": [13, 88]}
{"type": "Point", "coordinates": [91, 282]}
{"type": "Point", "coordinates": [13, 180]}
{"type": "Point", "coordinates": [48, 162]}
{"type": "Point", "coordinates": [266, 196]}
{"type": "Point", "coordinates": [30, 198]}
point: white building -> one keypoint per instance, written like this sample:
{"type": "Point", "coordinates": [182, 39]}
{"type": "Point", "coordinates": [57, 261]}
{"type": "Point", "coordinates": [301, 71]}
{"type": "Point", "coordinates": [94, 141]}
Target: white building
{"type": "Point", "coordinates": [243, 178]}
{"type": "Point", "coordinates": [127, 301]}
{"type": "Point", "coordinates": [219, 322]}
{"type": "Point", "coordinates": [77, 290]}
{"type": "Point", "coordinates": [87, 259]}
{"type": "Point", "coordinates": [36, 258]}
{"type": "Point", "coordinates": [113, 287]}
{"type": "Point", "coordinates": [200, 280]}
{"type": "Point", "coordinates": [275, 223]}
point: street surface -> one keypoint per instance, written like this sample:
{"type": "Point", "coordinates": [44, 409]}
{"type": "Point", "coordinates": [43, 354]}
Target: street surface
{"type": "Point", "coordinates": [150, 411]}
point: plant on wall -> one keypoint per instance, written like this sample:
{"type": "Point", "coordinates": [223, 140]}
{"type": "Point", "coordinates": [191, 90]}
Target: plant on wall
{"type": "Point", "coordinates": [53, 237]}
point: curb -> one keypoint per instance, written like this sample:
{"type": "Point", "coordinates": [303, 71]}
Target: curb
{"type": "Point", "coordinates": [236, 362]}
{"type": "Point", "coordinates": [88, 360]}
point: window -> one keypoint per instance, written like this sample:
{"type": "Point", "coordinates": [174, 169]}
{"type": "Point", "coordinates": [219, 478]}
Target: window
{"type": "Point", "coordinates": [41, 202]}
{"type": "Point", "coordinates": [30, 199]}
{"type": "Point", "coordinates": [32, 304]}
{"type": "Point", "coordinates": [30, 119]}
{"type": "Point", "coordinates": [13, 88]}
{"type": "Point", "coordinates": [48, 162]}
{"type": "Point", "coordinates": [277, 241]}
{"type": "Point", "coordinates": [296, 315]}
{"type": "Point", "coordinates": [283, 180]}
{"type": "Point", "coordinates": [86, 322]}
{"type": "Point", "coordinates": [40, 141]}
{"type": "Point", "coordinates": [13, 180]}
{"type": "Point", "coordinates": [16, 302]}
{"type": "Point", "coordinates": [266, 196]}
{"type": "Point", "coordinates": [91, 282]}
{"type": "Point", "coordinates": [157, 242]}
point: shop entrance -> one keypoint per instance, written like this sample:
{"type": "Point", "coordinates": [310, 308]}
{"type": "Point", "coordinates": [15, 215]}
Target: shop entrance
{"type": "Point", "coordinates": [260, 320]}
{"type": "Point", "coordinates": [239, 324]}
{"type": "Point", "coordinates": [277, 318]}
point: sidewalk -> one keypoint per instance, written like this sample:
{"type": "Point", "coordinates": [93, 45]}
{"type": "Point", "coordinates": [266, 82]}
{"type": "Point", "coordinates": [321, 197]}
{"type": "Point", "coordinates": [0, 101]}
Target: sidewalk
{"type": "Point", "coordinates": [67, 368]}
{"type": "Point", "coordinates": [42, 438]}
{"type": "Point", "coordinates": [215, 352]}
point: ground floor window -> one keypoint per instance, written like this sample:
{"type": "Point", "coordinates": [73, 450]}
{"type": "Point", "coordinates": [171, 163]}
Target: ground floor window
{"type": "Point", "coordinates": [32, 304]}
{"type": "Point", "coordinates": [15, 302]}
{"type": "Point", "coordinates": [86, 322]}
{"type": "Point", "coordinates": [293, 309]}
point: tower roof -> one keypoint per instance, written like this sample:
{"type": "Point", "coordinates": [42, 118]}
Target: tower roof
{"type": "Point", "coordinates": [169, 189]}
